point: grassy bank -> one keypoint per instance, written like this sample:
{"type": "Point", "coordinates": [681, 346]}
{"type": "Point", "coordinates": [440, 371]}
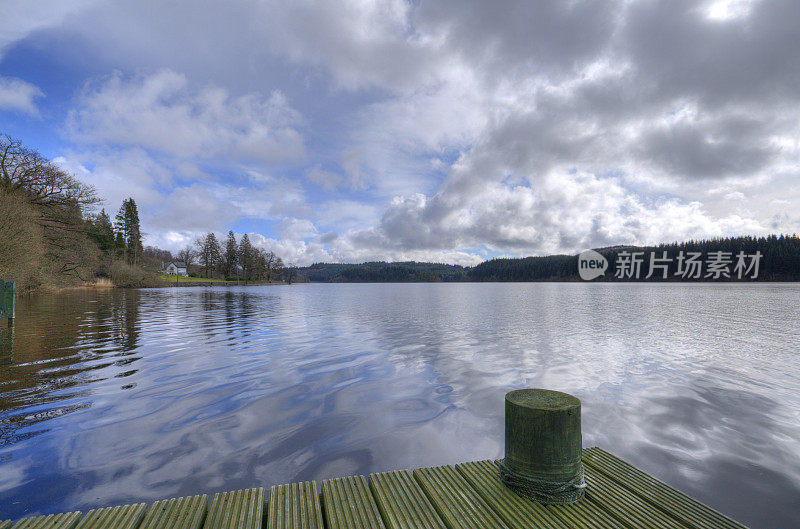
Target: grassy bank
{"type": "Point", "coordinates": [185, 279]}
{"type": "Point", "coordinates": [164, 280]}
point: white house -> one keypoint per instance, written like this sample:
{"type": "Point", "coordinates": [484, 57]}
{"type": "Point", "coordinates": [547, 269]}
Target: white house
{"type": "Point", "coordinates": [175, 267]}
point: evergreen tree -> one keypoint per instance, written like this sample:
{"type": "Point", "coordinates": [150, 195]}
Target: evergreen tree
{"type": "Point", "coordinates": [209, 253]}
{"type": "Point", "coordinates": [231, 255]}
{"type": "Point", "coordinates": [135, 239]}
{"type": "Point", "coordinates": [246, 256]}
{"type": "Point", "coordinates": [129, 232]}
{"type": "Point", "coordinates": [121, 229]}
{"type": "Point", "coordinates": [101, 231]}
{"type": "Point", "coordinates": [119, 244]}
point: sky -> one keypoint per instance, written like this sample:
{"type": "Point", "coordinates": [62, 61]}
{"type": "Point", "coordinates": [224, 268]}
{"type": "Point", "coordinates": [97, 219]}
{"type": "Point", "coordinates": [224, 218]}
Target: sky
{"type": "Point", "coordinates": [447, 131]}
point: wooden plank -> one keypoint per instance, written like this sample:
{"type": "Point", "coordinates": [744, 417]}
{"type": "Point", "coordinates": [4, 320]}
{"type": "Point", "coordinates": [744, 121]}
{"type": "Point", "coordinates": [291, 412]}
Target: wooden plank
{"type": "Point", "coordinates": [628, 508]}
{"type": "Point", "coordinates": [177, 513]}
{"type": "Point", "coordinates": [519, 512]}
{"type": "Point", "coordinates": [123, 517]}
{"type": "Point", "coordinates": [459, 505]}
{"type": "Point", "coordinates": [686, 509]}
{"type": "Point", "coordinates": [516, 512]}
{"type": "Point", "coordinates": [402, 503]}
{"type": "Point", "coordinates": [241, 509]}
{"type": "Point", "coordinates": [294, 506]}
{"type": "Point", "coordinates": [469, 496]}
{"type": "Point", "coordinates": [587, 513]}
{"type": "Point", "coordinates": [348, 504]}
{"type": "Point", "coordinates": [66, 520]}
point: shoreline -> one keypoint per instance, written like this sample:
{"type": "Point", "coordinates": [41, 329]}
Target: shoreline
{"type": "Point", "coordinates": [214, 284]}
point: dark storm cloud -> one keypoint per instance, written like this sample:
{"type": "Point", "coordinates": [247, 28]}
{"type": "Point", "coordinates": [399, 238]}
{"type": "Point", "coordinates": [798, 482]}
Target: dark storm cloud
{"type": "Point", "coordinates": [699, 152]}
{"type": "Point", "coordinates": [678, 51]}
{"type": "Point", "coordinates": [524, 37]}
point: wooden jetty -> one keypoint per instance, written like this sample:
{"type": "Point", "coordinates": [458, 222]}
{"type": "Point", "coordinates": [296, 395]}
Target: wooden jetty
{"type": "Point", "coordinates": [464, 496]}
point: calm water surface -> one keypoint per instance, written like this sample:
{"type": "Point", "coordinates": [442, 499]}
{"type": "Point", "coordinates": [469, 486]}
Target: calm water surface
{"type": "Point", "coordinates": [120, 396]}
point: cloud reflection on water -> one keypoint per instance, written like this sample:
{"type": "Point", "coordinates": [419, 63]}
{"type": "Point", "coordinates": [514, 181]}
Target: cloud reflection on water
{"type": "Point", "coordinates": [123, 396]}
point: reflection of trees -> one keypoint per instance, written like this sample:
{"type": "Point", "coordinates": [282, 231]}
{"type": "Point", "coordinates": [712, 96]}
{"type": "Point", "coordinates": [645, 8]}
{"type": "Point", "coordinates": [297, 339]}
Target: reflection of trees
{"type": "Point", "coordinates": [62, 343]}
{"type": "Point", "coordinates": [230, 310]}
{"type": "Point", "coordinates": [125, 318]}
{"type": "Point", "coordinates": [45, 327]}
{"type": "Point", "coordinates": [6, 345]}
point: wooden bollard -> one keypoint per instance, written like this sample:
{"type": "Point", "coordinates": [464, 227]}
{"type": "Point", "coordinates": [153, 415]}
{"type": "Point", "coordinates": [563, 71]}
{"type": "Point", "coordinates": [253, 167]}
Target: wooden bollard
{"type": "Point", "coordinates": [7, 300]}
{"type": "Point", "coordinates": [543, 446]}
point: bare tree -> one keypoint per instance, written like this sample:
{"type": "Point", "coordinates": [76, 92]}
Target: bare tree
{"type": "Point", "coordinates": [268, 262]}
{"type": "Point", "coordinates": [21, 242]}
{"type": "Point", "coordinates": [187, 255]}
{"type": "Point", "coordinates": [155, 258]}
{"type": "Point", "coordinates": [290, 272]}
{"type": "Point", "coordinates": [59, 201]}
{"type": "Point", "coordinates": [43, 182]}
{"type": "Point", "coordinates": [273, 264]}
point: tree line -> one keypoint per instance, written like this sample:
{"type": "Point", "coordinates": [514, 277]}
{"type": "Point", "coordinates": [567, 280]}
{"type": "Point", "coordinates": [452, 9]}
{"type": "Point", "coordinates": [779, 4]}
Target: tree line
{"type": "Point", "coordinates": [237, 261]}
{"type": "Point", "coordinates": [51, 235]}
{"type": "Point", "coordinates": [378, 271]}
{"type": "Point", "coordinates": [779, 261]}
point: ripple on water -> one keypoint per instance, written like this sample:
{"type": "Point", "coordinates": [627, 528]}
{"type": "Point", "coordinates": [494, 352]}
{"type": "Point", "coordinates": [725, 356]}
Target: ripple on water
{"type": "Point", "coordinates": [117, 396]}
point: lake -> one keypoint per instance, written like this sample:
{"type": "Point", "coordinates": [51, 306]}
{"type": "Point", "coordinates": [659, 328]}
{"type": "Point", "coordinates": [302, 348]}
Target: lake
{"type": "Point", "coordinates": [117, 396]}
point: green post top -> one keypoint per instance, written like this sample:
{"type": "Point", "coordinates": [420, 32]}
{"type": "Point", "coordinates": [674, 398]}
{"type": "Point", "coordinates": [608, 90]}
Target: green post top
{"type": "Point", "coordinates": [7, 299]}
{"type": "Point", "coordinates": [543, 399]}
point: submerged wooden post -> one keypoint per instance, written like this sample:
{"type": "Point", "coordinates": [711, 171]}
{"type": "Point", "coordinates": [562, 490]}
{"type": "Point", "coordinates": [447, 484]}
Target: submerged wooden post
{"type": "Point", "coordinates": [543, 446]}
{"type": "Point", "coordinates": [7, 301]}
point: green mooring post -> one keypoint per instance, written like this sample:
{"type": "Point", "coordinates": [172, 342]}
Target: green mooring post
{"type": "Point", "coordinates": [7, 300]}
{"type": "Point", "coordinates": [543, 446]}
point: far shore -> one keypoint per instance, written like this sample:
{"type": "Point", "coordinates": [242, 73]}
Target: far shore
{"type": "Point", "coordinates": [104, 284]}
{"type": "Point", "coordinates": [215, 283]}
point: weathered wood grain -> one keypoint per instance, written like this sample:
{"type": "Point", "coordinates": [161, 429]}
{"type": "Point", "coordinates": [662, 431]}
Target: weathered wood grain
{"type": "Point", "coordinates": [294, 506]}
{"type": "Point", "coordinates": [348, 504]}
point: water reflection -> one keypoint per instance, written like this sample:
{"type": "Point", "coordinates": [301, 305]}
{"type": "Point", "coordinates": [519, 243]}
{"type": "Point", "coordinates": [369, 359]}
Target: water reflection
{"type": "Point", "coordinates": [689, 442]}
{"type": "Point", "coordinates": [6, 345]}
{"type": "Point", "coordinates": [120, 396]}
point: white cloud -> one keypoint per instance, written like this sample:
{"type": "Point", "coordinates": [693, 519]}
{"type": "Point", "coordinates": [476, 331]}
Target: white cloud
{"type": "Point", "coordinates": [346, 214]}
{"type": "Point", "coordinates": [394, 144]}
{"type": "Point", "coordinates": [457, 127]}
{"type": "Point", "coordinates": [117, 175]}
{"type": "Point", "coordinates": [163, 113]}
{"type": "Point", "coordinates": [193, 208]}
{"type": "Point", "coordinates": [296, 229]}
{"type": "Point", "coordinates": [359, 43]}
{"type": "Point", "coordinates": [18, 95]}
{"type": "Point", "coordinates": [724, 10]}
{"type": "Point", "coordinates": [19, 18]}
{"type": "Point", "coordinates": [343, 250]}
{"type": "Point", "coordinates": [293, 251]}
{"type": "Point", "coordinates": [562, 211]}
{"type": "Point", "coordinates": [327, 179]}
{"type": "Point", "coordinates": [273, 199]}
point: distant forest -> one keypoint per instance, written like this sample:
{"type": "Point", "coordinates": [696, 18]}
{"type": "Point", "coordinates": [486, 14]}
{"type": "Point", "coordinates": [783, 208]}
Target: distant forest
{"type": "Point", "coordinates": [780, 261]}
